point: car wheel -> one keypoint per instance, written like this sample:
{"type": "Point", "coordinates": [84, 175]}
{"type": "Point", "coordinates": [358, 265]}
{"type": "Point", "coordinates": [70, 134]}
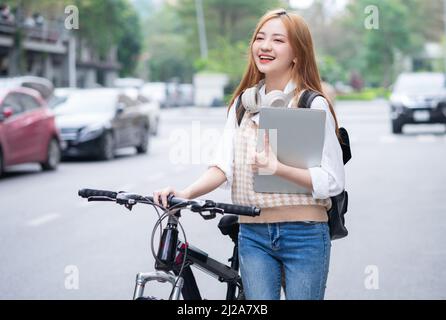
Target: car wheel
{"type": "Point", "coordinates": [144, 143]}
{"type": "Point", "coordinates": [397, 126]}
{"type": "Point", "coordinates": [107, 149]}
{"type": "Point", "coordinates": [52, 157]}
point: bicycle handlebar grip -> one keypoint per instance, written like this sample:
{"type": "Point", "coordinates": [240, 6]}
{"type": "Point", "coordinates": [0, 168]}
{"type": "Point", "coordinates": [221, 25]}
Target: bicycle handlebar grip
{"type": "Point", "coordinates": [85, 193]}
{"type": "Point", "coordinates": [239, 210]}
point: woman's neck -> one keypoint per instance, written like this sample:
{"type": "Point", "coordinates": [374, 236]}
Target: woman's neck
{"type": "Point", "coordinates": [276, 83]}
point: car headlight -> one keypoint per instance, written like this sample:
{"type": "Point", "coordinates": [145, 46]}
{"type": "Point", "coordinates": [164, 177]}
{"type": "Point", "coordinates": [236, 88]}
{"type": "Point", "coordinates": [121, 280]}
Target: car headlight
{"type": "Point", "coordinates": [403, 101]}
{"type": "Point", "coordinates": [91, 132]}
{"type": "Point", "coordinates": [407, 102]}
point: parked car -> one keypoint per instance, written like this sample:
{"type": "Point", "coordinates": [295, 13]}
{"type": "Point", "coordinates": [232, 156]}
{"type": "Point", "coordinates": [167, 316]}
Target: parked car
{"type": "Point", "coordinates": [157, 91]}
{"type": "Point", "coordinates": [128, 83]}
{"type": "Point", "coordinates": [28, 131]}
{"type": "Point", "coordinates": [152, 109]}
{"type": "Point", "coordinates": [59, 96]}
{"type": "Point", "coordinates": [42, 85]}
{"type": "Point", "coordinates": [186, 94]}
{"type": "Point", "coordinates": [418, 98]}
{"type": "Point", "coordinates": [96, 122]}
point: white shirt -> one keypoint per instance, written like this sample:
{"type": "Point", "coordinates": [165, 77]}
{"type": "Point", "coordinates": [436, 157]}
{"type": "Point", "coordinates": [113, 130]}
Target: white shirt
{"type": "Point", "coordinates": [328, 180]}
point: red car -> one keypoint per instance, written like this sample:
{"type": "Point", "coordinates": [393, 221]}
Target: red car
{"type": "Point", "coordinates": [27, 129]}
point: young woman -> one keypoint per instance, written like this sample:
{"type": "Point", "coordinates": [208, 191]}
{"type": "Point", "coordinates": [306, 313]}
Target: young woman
{"type": "Point", "coordinates": [291, 235]}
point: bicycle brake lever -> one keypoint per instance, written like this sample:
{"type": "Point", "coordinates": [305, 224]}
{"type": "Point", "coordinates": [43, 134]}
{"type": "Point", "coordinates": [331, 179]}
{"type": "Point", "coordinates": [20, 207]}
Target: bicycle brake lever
{"type": "Point", "coordinates": [209, 216]}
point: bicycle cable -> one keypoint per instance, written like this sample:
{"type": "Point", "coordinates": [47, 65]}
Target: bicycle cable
{"type": "Point", "coordinates": [157, 212]}
{"type": "Point", "coordinates": [159, 223]}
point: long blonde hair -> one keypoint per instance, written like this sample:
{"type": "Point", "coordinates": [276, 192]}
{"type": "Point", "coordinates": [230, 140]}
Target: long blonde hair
{"type": "Point", "coordinates": [304, 74]}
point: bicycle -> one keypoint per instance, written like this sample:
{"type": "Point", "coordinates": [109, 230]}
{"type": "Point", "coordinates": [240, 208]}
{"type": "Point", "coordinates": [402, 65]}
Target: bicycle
{"type": "Point", "coordinates": [174, 258]}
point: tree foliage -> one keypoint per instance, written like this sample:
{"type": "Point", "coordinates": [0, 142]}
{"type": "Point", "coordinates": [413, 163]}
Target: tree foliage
{"type": "Point", "coordinates": [404, 27]}
{"type": "Point", "coordinates": [229, 25]}
{"type": "Point", "coordinates": [103, 24]}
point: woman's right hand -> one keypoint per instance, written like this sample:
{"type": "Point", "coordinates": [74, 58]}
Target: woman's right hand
{"type": "Point", "coordinates": [164, 193]}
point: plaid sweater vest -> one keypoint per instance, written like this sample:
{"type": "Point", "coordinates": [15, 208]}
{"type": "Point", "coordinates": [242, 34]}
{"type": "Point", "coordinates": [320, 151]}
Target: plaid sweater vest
{"type": "Point", "coordinates": [243, 187]}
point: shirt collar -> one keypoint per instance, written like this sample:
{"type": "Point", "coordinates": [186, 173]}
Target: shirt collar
{"type": "Point", "coordinates": [288, 88]}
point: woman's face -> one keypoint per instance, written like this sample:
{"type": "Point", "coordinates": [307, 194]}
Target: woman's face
{"type": "Point", "coordinates": [271, 49]}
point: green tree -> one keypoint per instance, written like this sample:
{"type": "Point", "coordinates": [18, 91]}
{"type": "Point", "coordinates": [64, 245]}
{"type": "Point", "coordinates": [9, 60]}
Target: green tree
{"type": "Point", "coordinates": [229, 58]}
{"type": "Point", "coordinates": [383, 43]}
{"type": "Point", "coordinates": [104, 24]}
{"type": "Point", "coordinates": [130, 43]}
{"type": "Point", "coordinates": [404, 27]}
{"type": "Point", "coordinates": [173, 33]}
{"type": "Point", "coordinates": [167, 46]}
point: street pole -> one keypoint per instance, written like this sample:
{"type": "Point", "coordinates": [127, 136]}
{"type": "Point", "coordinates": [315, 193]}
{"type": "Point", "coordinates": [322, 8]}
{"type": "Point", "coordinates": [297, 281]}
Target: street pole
{"type": "Point", "coordinates": [202, 29]}
{"type": "Point", "coordinates": [444, 38]}
{"type": "Point", "coordinates": [72, 77]}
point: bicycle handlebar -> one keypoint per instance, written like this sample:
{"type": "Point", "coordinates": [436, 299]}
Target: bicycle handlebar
{"type": "Point", "coordinates": [196, 205]}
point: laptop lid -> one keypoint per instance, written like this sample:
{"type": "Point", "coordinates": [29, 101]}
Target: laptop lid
{"type": "Point", "coordinates": [296, 135]}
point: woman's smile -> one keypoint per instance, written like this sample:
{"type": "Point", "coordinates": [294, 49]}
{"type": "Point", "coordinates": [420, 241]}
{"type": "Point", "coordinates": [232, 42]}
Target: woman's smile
{"type": "Point", "coordinates": [271, 49]}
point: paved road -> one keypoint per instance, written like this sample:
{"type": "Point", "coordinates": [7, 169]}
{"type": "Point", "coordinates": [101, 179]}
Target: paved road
{"type": "Point", "coordinates": [395, 249]}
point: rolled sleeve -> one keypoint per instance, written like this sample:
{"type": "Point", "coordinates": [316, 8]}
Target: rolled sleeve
{"type": "Point", "coordinates": [319, 179]}
{"type": "Point", "coordinates": [329, 178]}
{"type": "Point", "coordinates": [224, 152]}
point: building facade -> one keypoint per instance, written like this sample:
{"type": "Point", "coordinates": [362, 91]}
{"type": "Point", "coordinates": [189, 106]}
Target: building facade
{"type": "Point", "coordinates": [51, 51]}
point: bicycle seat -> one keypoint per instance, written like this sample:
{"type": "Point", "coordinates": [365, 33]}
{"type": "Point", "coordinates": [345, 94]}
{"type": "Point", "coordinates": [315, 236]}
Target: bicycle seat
{"type": "Point", "coordinates": [229, 226]}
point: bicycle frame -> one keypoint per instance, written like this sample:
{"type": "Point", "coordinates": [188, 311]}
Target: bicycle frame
{"type": "Point", "coordinates": [170, 258]}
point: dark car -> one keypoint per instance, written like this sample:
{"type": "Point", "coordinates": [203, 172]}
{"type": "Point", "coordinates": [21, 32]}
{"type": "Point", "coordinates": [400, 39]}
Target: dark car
{"type": "Point", "coordinates": [96, 122]}
{"type": "Point", "coordinates": [27, 130]}
{"type": "Point", "coordinates": [418, 98]}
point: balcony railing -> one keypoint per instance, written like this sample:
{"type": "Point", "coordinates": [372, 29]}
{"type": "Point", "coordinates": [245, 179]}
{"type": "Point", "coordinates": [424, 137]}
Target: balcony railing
{"type": "Point", "coordinates": [50, 31]}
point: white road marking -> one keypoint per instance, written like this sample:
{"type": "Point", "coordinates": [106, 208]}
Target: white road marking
{"type": "Point", "coordinates": [43, 219]}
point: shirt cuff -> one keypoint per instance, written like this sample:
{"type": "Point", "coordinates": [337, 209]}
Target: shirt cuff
{"type": "Point", "coordinates": [319, 179]}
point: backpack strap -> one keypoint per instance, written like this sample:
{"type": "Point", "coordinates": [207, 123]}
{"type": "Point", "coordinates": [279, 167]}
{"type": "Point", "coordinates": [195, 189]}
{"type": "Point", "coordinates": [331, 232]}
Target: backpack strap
{"type": "Point", "coordinates": [306, 99]}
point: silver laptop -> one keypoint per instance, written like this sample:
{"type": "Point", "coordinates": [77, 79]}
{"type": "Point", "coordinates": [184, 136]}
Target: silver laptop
{"type": "Point", "coordinates": [298, 142]}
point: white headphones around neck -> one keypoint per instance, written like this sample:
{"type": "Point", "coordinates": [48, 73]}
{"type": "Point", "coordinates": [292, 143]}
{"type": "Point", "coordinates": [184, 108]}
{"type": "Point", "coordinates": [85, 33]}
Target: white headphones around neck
{"type": "Point", "coordinates": [252, 102]}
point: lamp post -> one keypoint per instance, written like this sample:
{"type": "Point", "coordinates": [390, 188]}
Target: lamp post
{"type": "Point", "coordinates": [202, 29]}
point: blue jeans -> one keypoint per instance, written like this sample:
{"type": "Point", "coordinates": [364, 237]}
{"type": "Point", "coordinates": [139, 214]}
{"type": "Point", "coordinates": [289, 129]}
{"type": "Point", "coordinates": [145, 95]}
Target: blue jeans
{"type": "Point", "coordinates": [300, 249]}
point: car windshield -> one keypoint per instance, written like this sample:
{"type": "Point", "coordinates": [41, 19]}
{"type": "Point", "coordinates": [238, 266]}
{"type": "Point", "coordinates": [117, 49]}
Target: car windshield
{"type": "Point", "coordinates": [82, 102]}
{"type": "Point", "coordinates": [420, 84]}
{"type": "Point", "coordinates": [56, 101]}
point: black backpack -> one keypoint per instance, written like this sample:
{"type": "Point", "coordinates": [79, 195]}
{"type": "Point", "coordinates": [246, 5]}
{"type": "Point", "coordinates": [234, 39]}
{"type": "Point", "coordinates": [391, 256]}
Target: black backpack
{"type": "Point", "coordinates": [336, 220]}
